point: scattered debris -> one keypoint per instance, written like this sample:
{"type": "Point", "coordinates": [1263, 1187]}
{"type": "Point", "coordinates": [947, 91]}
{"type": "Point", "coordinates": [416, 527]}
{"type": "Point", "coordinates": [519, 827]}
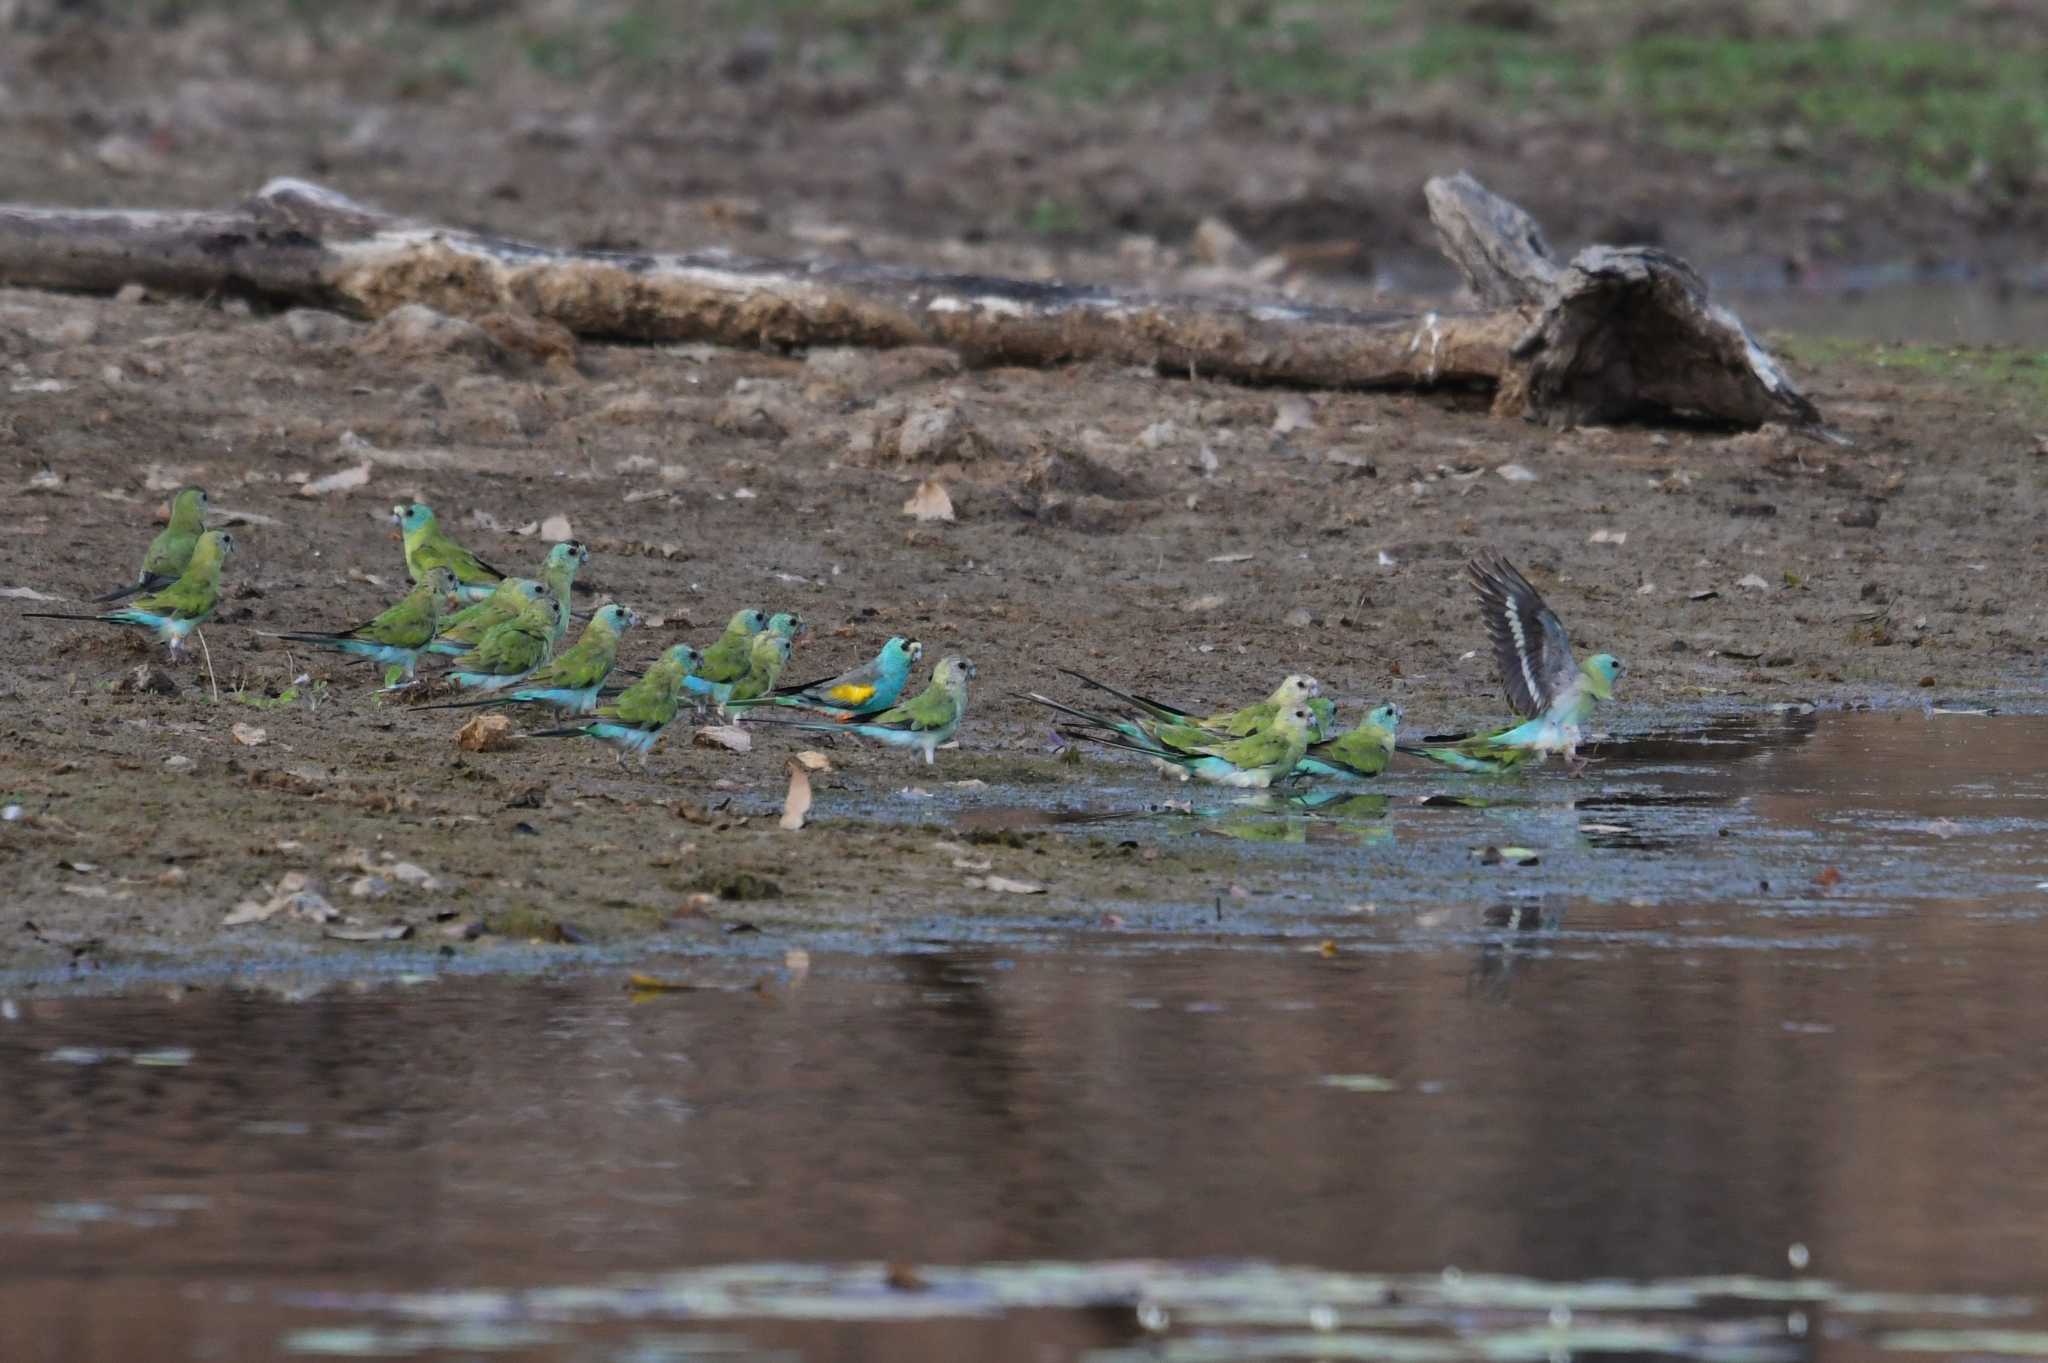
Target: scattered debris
{"type": "Point", "coordinates": [796, 805]}
{"type": "Point", "coordinates": [248, 735]}
{"type": "Point", "coordinates": [26, 594]}
{"type": "Point", "coordinates": [1750, 582]}
{"type": "Point", "coordinates": [146, 679]}
{"type": "Point", "coordinates": [294, 891]}
{"type": "Point", "coordinates": [1516, 473]}
{"type": "Point", "coordinates": [344, 480]}
{"type": "Point", "coordinates": [1358, 1083]}
{"type": "Point", "coordinates": [486, 733]}
{"type": "Point", "coordinates": [731, 737]}
{"type": "Point", "coordinates": [637, 984]}
{"type": "Point", "coordinates": [1506, 856]}
{"type": "Point", "coordinates": [1005, 885]}
{"type": "Point", "coordinates": [396, 932]}
{"type": "Point", "coordinates": [1608, 537]}
{"type": "Point", "coordinates": [929, 502]}
{"type": "Point", "coordinates": [556, 529]}
{"type": "Point", "coordinates": [813, 760]}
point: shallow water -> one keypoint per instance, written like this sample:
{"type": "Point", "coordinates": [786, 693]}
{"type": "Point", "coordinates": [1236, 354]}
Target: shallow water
{"type": "Point", "coordinates": [1674, 1090]}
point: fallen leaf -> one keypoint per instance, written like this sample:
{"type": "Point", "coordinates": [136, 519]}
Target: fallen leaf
{"type": "Point", "coordinates": [1608, 537]}
{"type": "Point", "coordinates": [1232, 558]}
{"type": "Point", "coordinates": [1005, 885]}
{"type": "Point", "coordinates": [1708, 595]}
{"type": "Point", "coordinates": [1291, 414]}
{"type": "Point", "coordinates": [1205, 603]}
{"type": "Point", "coordinates": [813, 760]}
{"type": "Point", "coordinates": [904, 1278]}
{"type": "Point", "coordinates": [1603, 828]}
{"type": "Point", "coordinates": [972, 863]}
{"type": "Point", "coordinates": [929, 502]}
{"type": "Point", "coordinates": [1358, 1083]}
{"type": "Point", "coordinates": [294, 891]}
{"type": "Point", "coordinates": [1509, 856]}
{"type": "Point", "coordinates": [653, 984]}
{"type": "Point", "coordinates": [1516, 473]}
{"type": "Point", "coordinates": [555, 529]}
{"type": "Point", "coordinates": [1829, 878]}
{"type": "Point", "coordinates": [485, 733]}
{"type": "Point", "coordinates": [344, 480]}
{"type": "Point", "coordinates": [1754, 583]}
{"type": "Point", "coordinates": [397, 932]}
{"type": "Point", "coordinates": [248, 735]}
{"type": "Point", "coordinates": [1326, 949]}
{"type": "Point", "coordinates": [408, 873]}
{"type": "Point", "coordinates": [796, 805]}
{"type": "Point", "coordinates": [731, 737]}
{"type": "Point", "coordinates": [24, 594]}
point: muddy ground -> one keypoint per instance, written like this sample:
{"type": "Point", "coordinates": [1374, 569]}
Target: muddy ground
{"type": "Point", "coordinates": [1191, 538]}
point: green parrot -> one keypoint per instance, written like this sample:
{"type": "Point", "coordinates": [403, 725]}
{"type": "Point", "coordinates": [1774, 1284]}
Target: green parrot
{"type": "Point", "coordinates": [788, 624]}
{"type": "Point", "coordinates": [397, 636]}
{"type": "Point", "coordinates": [178, 609]}
{"type": "Point", "coordinates": [1293, 691]}
{"type": "Point", "coordinates": [508, 653]}
{"type": "Point", "coordinates": [767, 656]}
{"type": "Point", "coordinates": [171, 550]}
{"type": "Point", "coordinates": [1551, 694]}
{"type": "Point", "coordinates": [461, 631]}
{"type": "Point", "coordinates": [924, 723]}
{"type": "Point", "coordinates": [1141, 732]}
{"type": "Point", "coordinates": [727, 661]}
{"type": "Point", "coordinates": [635, 719]}
{"type": "Point", "coordinates": [571, 679]}
{"type": "Point", "coordinates": [426, 548]}
{"type": "Point", "coordinates": [1253, 762]}
{"type": "Point", "coordinates": [1364, 751]}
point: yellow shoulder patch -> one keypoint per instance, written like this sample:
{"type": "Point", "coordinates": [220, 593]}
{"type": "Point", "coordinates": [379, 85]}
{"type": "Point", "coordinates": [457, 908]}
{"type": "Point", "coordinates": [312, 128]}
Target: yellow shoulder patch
{"type": "Point", "coordinates": [850, 694]}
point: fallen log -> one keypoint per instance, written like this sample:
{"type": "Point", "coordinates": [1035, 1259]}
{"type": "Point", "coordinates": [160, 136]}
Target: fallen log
{"type": "Point", "coordinates": [1627, 337]}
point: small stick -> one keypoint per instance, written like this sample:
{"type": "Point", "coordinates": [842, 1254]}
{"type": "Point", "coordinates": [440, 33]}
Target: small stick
{"type": "Point", "coordinates": [207, 653]}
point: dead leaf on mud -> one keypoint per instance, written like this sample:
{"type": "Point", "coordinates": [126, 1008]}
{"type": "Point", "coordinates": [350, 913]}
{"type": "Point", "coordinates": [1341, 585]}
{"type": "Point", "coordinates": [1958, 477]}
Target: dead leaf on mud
{"type": "Point", "coordinates": [1204, 603]}
{"type": "Point", "coordinates": [1292, 413]}
{"type": "Point", "coordinates": [248, 735]}
{"type": "Point", "coordinates": [1608, 537]}
{"type": "Point", "coordinates": [1829, 878]}
{"type": "Point", "coordinates": [1752, 582]}
{"type": "Point", "coordinates": [1232, 558]}
{"type": "Point", "coordinates": [929, 502]}
{"type": "Point", "coordinates": [731, 737]}
{"type": "Point", "coordinates": [1516, 473]}
{"type": "Point", "coordinates": [650, 985]}
{"type": "Point", "coordinates": [345, 480]}
{"type": "Point", "coordinates": [813, 760]}
{"type": "Point", "coordinates": [25, 594]}
{"type": "Point", "coordinates": [796, 805]}
{"type": "Point", "coordinates": [396, 932]}
{"type": "Point", "coordinates": [1004, 885]}
{"type": "Point", "coordinates": [485, 733]}
{"type": "Point", "coordinates": [556, 529]}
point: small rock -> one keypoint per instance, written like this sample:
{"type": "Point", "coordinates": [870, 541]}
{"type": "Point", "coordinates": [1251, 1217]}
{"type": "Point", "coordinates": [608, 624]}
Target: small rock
{"type": "Point", "coordinates": [486, 733]}
{"type": "Point", "coordinates": [131, 294]}
{"type": "Point", "coordinates": [315, 326]}
{"type": "Point", "coordinates": [555, 529]}
{"type": "Point", "coordinates": [1862, 517]}
{"type": "Point", "coordinates": [179, 762]}
{"type": "Point", "coordinates": [416, 331]}
{"type": "Point", "coordinates": [1204, 603]}
{"type": "Point", "coordinates": [1158, 434]}
{"type": "Point", "coordinates": [147, 679]}
{"type": "Point", "coordinates": [1292, 413]}
{"type": "Point", "coordinates": [1298, 618]}
{"type": "Point", "coordinates": [1516, 473]}
{"type": "Point", "coordinates": [1754, 583]}
{"type": "Point", "coordinates": [369, 887]}
{"type": "Point", "coordinates": [731, 737]}
{"type": "Point", "coordinates": [410, 873]}
{"type": "Point", "coordinates": [342, 480]}
{"type": "Point", "coordinates": [930, 502]}
{"type": "Point", "coordinates": [1216, 242]}
{"type": "Point", "coordinates": [532, 338]}
{"type": "Point", "coordinates": [931, 431]}
{"type": "Point", "coordinates": [248, 735]}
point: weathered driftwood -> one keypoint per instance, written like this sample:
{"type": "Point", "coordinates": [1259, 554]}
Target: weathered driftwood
{"type": "Point", "coordinates": [1548, 339]}
{"type": "Point", "coordinates": [1620, 332]}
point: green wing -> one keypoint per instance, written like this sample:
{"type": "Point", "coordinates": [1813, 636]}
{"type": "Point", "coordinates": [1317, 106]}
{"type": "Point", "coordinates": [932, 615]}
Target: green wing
{"type": "Point", "coordinates": [409, 624]}
{"type": "Point", "coordinates": [438, 551]}
{"type": "Point", "coordinates": [512, 596]}
{"type": "Point", "coordinates": [169, 553]}
{"type": "Point", "coordinates": [1364, 749]}
{"type": "Point", "coordinates": [586, 663]}
{"type": "Point", "coordinates": [1243, 723]}
{"type": "Point", "coordinates": [728, 659]}
{"type": "Point", "coordinates": [187, 598]}
{"type": "Point", "coordinates": [1259, 750]}
{"type": "Point", "coordinates": [516, 646]}
{"type": "Point", "coordinates": [652, 701]}
{"type": "Point", "coordinates": [931, 708]}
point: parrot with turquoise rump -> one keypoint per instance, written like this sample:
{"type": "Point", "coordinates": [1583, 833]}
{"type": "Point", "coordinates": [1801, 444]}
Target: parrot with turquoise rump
{"type": "Point", "coordinates": [1292, 691]}
{"type": "Point", "coordinates": [1253, 762]}
{"type": "Point", "coordinates": [397, 636]}
{"type": "Point", "coordinates": [426, 548]}
{"type": "Point", "coordinates": [168, 554]}
{"type": "Point", "coordinates": [571, 679]}
{"type": "Point", "coordinates": [1363, 752]}
{"type": "Point", "coordinates": [865, 690]}
{"type": "Point", "coordinates": [924, 723]}
{"type": "Point", "coordinates": [461, 631]}
{"type": "Point", "coordinates": [178, 609]}
{"type": "Point", "coordinates": [507, 653]}
{"type": "Point", "coordinates": [1550, 692]}
{"type": "Point", "coordinates": [635, 720]}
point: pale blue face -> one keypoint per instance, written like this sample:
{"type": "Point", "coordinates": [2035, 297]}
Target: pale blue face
{"type": "Point", "coordinates": [788, 624]}
{"type": "Point", "coordinates": [416, 517]}
{"type": "Point", "coordinates": [1387, 717]}
{"type": "Point", "coordinates": [1604, 669]}
{"type": "Point", "coordinates": [684, 655]}
{"type": "Point", "coordinates": [751, 621]}
{"type": "Point", "coordinates": [617, 618]}
{"type": "Point", "coordinates": [567, 552]}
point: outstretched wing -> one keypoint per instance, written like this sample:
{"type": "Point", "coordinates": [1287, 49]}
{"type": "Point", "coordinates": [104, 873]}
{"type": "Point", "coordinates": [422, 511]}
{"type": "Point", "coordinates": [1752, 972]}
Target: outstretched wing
{"type": "Point", "coordinates": [1529, 643]}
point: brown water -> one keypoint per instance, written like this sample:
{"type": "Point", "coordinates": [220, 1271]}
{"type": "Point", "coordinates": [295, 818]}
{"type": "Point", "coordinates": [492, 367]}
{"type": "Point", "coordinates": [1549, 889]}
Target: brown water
{"type": "Point", "coordinates": [1602, 1116]}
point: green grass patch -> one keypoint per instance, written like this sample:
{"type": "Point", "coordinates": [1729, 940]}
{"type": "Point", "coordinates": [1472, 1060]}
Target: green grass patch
{"type": "Point", "coordinates": [2008, 372]}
